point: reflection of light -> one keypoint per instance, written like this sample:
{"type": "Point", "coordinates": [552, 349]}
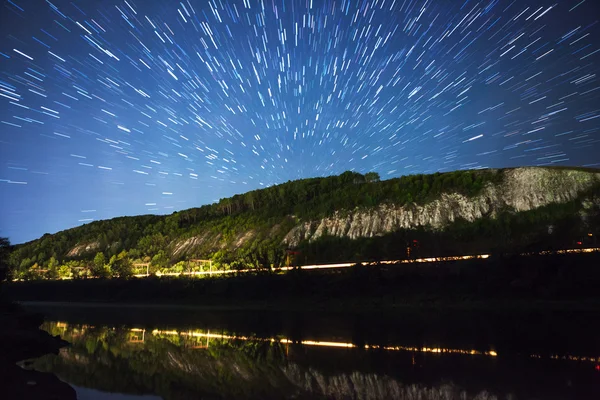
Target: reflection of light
{"type": "Point", "coordinates": [332, 344]}
{"type": "Point", "coordinates": [325, 343]}
{"type": "Point", "coordinates": [490, 353]}
{"type": "Point", "coordinates": [569, 251]}
{"type": "Point", "coordinates": [568, 358]}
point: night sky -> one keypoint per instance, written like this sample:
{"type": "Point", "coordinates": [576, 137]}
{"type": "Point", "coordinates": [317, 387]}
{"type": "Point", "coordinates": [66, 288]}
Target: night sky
{"type": "Point", "coordinates": [111, 108]}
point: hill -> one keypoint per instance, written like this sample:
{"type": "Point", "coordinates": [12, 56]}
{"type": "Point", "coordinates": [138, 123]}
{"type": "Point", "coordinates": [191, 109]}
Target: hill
{"type": "Point", "coordinates": [348, 217]}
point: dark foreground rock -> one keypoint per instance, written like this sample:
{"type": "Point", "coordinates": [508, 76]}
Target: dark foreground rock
{"type": "Point", "coordinates": [21, 339]}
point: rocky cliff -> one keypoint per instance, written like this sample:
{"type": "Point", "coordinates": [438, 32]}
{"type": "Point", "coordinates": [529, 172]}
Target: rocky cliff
{"type": "Point", "coordinates": [522, 189]}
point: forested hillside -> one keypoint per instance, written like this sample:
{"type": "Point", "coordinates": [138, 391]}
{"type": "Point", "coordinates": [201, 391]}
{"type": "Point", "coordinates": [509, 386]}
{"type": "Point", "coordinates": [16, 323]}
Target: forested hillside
{"type": "Point", "coordinates": [253, 229]}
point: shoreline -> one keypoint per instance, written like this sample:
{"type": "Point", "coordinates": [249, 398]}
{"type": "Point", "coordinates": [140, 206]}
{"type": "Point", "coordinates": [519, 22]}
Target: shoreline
{"type": "Point", "coordinates": [22, 341]}
{"type": "Point", "coordinates": [549, 283]}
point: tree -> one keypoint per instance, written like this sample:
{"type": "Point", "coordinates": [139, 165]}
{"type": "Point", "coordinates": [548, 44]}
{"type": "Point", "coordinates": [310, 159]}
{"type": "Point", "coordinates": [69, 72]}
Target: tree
{"type": "Point", "coordinates": [4, 253]}
{"type": "Point", "coordinates": [99, 269]}
{"type": "Point", "coordinates": [160, 260]}
{"type": "Point", "coordinates": [266, 257]}
{"type": "Point", "coordinates": [99, 260]}
{"type": "Point", "coordinates": [179, 267]}
{"type": "Point", "coordinates": [151, 244]}
{"type": "Point", "coordinates": [112, 260]}
{"type": "Point", "coordinates": [134, 254]}
{"type": "Point", "coordinates": [121, 265]}
{"type": "Point", "coordinates": [372, 177]}
{"type": "Point", "coordinates": [65, 272]}
{"type": "Point", "coordinates": [25, 264]}
{"type": "Point", "coordinates": [53, 265]}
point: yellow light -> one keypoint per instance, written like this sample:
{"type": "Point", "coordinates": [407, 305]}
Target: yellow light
{"type": "Point", "coordinates": [82, 328]}
{"type": "Point", "coordinates": [326, 344]}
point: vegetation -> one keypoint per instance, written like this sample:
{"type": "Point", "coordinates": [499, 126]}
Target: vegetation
{"type": "Point", "coordinates": [496, 281]}
{"type": "Point", "coordinates": [246, 230]}
{"type": "Point", "coordinates": [176, 366]}
{"type": "Point", "coordinates": [551, 227]}
{"type": "Point", "coordinates": [4, 255]}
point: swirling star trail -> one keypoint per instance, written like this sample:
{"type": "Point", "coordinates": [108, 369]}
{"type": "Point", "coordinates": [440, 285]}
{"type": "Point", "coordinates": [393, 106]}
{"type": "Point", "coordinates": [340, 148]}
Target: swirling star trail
{"type": "Point", "coordinates": [112, 108]}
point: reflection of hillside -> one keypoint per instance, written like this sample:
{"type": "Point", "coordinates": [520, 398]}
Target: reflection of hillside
{"type": "Point", "coordinates": [370, 387]}
{"type": "Point", "coordinates": [201, 339]}
{"type": "Point", "coordinates": [181, 364]}
{"type": "Point", "coordinates": [136, 361]}
{"type": "Point", "coordinates": [215, 363]}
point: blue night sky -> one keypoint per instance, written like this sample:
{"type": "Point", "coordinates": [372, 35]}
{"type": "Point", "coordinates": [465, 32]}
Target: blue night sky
{"type": "Point", "coordinates": [111, 108]}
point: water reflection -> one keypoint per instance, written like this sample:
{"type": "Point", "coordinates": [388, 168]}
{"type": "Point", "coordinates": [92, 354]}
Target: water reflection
{"type": "Point", "coordinates": [223, 336]}
{"type": "Point", "coordinates": [202, 363]}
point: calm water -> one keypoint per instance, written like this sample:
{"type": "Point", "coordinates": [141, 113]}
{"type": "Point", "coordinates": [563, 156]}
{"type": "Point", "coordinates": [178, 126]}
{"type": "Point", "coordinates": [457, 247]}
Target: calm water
{"type": "Point", "coordinates": [173, 353]}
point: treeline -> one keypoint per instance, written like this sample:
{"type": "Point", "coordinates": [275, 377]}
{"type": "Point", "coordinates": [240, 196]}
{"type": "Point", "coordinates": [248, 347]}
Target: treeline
{"type": "Point", "coordinates": [319, 197]}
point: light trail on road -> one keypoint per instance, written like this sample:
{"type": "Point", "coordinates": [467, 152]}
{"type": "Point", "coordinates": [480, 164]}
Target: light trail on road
{"type": "Point", "coordinates": [371, 263]}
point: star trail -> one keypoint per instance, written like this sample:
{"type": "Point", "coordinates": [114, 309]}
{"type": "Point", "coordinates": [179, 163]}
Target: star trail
{"type": "Point", "coordinates": [111, 108]}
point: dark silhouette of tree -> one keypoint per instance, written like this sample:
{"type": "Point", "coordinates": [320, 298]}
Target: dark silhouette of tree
{"type": "Point", "coordinates": [4, 254]}
{"type": "Point", "coordinates": [266, 258]}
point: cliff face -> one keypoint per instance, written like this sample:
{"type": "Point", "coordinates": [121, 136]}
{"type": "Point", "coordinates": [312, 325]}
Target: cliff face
{"type": "Point", "coordinates": [523, 189]}
{"type": "Point", "coordinates": [83, 249]}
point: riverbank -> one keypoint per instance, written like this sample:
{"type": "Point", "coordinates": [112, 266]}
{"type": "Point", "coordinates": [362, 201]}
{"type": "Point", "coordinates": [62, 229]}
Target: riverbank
{"type": "Point", "coordinates": [22, 340]}
{"type": "Point", "coordinates": [533, 282]}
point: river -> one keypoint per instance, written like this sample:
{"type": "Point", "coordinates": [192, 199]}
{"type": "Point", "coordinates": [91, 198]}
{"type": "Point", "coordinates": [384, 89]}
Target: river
{"type": "Point", "coordinates": [138, 352]}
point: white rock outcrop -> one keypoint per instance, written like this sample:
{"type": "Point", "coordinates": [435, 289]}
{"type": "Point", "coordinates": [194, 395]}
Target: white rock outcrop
{"type": "Point", "coordinates": [523, 189]}
{"type": "Point", "coordinates": [81, 249]}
